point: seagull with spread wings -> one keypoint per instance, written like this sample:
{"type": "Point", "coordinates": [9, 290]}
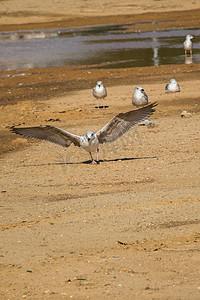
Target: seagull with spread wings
{"type": "Point", "coordinates": [113, 130]}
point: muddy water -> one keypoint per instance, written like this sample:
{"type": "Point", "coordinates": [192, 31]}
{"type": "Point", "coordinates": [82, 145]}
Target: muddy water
{"type": "Point", "coordinates": [115, 46]}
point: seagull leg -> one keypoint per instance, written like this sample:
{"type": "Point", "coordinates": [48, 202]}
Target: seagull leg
{"type": "Point", "coordinates": [103, 102]}
{"type": "Point", "coordinates": [191, 52]}
{"type": "Point", "coordinates": [98, 155]}
{"type": "Point", "coordinates": [97, 103]}
{"type": "Point", "coordinates": [93, 162]}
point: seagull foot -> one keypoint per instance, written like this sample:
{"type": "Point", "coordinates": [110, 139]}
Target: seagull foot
{"type": "Point", "coordinates": [93, 162]}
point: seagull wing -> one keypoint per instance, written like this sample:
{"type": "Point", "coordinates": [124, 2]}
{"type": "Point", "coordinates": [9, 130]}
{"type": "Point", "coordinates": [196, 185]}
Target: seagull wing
{"type": "Point", "coordinates": [49, 133]}
{"type": "Point", "coordinates": [166, 88]}
{"type": "Point", "coordinates": [105, 91]}
{"type": "Point", "coordinates": [123, 122]}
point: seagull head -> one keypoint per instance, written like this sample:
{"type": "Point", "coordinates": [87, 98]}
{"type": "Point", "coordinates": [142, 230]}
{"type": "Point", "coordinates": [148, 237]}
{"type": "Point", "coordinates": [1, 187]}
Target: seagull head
{"type": "Point", "coordinates": [189, 37]}
{"type": "Point", "coordinates": [139, 88]}
{"type": "Point", "coordinates": [173, 80]}
{"type": "Point", "coordinates": [90, 135]}
{"type": "Point", "coordinates": [99, 83]}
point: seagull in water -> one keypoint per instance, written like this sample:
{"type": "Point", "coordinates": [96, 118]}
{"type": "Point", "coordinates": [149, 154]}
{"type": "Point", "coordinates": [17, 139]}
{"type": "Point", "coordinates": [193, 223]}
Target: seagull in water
{"type": "Point", "coordinates": [99, 92]}
{"type": "Point", "coordinates": [187, 45]}
{"type": "Point", "coordinates": [139, 97]}
{"type": "Point", "coordinates": [113, 130]}
{"type": "Point", "coordinates": [172, 86]}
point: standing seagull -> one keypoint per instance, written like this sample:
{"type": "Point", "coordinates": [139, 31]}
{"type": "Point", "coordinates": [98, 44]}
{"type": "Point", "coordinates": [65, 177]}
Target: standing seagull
{"type": "Point", "coordinates": [113, 130]}
{"type": "Point", "coordinates": [139, 97]}
{"type": "Point", "coordinates": [99, 92]}
{"type": "Point", "coordinates": [172, 86]}
{"type": "Point", "coordinates": [187, 45]}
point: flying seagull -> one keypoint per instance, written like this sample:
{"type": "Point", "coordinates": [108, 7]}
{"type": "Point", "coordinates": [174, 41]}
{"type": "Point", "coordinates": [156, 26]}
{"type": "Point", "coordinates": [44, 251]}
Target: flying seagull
{"type": "Point", "coordinates": [113, 130]}
{"type": "Point", "coordinates": [139, 97]}
{"type": "Point", "coordinates": [99, 92]}
{"type": "Point", "coordinates": [172, 86]}
{"type": "Point", "coordinates": [187, 45]}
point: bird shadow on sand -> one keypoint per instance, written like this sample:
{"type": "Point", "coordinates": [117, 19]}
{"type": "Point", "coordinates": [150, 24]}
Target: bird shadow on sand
{"type": "Point", "coordinates": [88, 162]}
{"type": "Point", "coordinates": [102, 107]}
{"type": "Point", "coordinates": [119, 159]}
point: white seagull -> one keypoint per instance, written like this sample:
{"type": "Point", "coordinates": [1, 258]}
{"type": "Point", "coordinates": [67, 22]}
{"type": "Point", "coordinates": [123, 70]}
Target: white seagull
{"type": "Point", "coordinates": [113, 130]}
{"type": "Point", "coordinates": [187, 45]}
{"type": "Point", "coordinates": [139, 97]}
{"type": "Point", "coordinates": [172, 86]}
{"type": "Point", "coordinates": [99, 92]}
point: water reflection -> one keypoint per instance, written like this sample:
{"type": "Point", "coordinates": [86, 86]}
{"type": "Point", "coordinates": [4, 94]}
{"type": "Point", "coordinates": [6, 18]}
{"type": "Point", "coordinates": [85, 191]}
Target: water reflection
{"type": "Point", "coordinates": [27, 35]}
{"type": "Point", "coordinates": [188, 60]}
{"type": "Point", "coordinates": [155, 52]}
{"type": "Point", "coordinates": [113, 46]}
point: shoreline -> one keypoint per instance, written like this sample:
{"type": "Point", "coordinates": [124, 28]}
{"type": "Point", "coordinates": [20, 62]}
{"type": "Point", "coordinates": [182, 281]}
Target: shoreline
{"type": "Point", "coordinates": [66, 79]}
{"type": "Point", "coordinates": [168, 20]}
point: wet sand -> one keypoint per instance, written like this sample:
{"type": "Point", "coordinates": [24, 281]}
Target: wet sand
{"type": "Point", "coordinates": [126, 228]}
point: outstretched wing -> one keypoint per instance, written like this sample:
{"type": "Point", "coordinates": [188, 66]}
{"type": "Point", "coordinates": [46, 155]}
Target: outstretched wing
{"type": "Point", "coordinates": [123, 122]}
{"type": "Point", "coordinates": [49, 133]}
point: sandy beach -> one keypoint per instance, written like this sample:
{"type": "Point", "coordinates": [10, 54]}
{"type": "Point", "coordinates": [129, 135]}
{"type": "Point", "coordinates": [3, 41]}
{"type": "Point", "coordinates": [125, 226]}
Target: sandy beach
{"type": "Point", "coordinates": [129, 227]}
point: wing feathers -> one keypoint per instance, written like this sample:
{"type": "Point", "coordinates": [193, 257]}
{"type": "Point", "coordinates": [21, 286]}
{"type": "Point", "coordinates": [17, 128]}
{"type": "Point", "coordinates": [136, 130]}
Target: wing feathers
{"type": "Point", "coordinates": [49, 133]}
{"type": "Point", "coordinates": [123, 122]}
{"type": "Point", "coordinates": [113, 130]}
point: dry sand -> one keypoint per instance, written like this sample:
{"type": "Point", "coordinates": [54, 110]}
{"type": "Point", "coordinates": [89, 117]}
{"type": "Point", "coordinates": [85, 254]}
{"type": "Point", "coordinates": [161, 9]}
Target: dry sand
{"type": "Point", "coordinates": [128, 228]}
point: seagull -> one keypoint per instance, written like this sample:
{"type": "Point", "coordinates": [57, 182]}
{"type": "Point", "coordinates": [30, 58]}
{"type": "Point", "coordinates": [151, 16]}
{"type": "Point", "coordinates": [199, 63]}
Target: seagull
{"type": "Point", "coordinates": [139, 97]}
{"type": "Point", "coordinates": [187, 45]}
{"type": "Point", "coordinates": [172, 86]}
{"type": "Point", "coordinates": [113, 130]}
{"type": "Point", "coordinates": [99, 92]}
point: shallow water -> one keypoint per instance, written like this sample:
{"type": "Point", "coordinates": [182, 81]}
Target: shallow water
{"type": "Point", "coordinates": [113, 46]}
